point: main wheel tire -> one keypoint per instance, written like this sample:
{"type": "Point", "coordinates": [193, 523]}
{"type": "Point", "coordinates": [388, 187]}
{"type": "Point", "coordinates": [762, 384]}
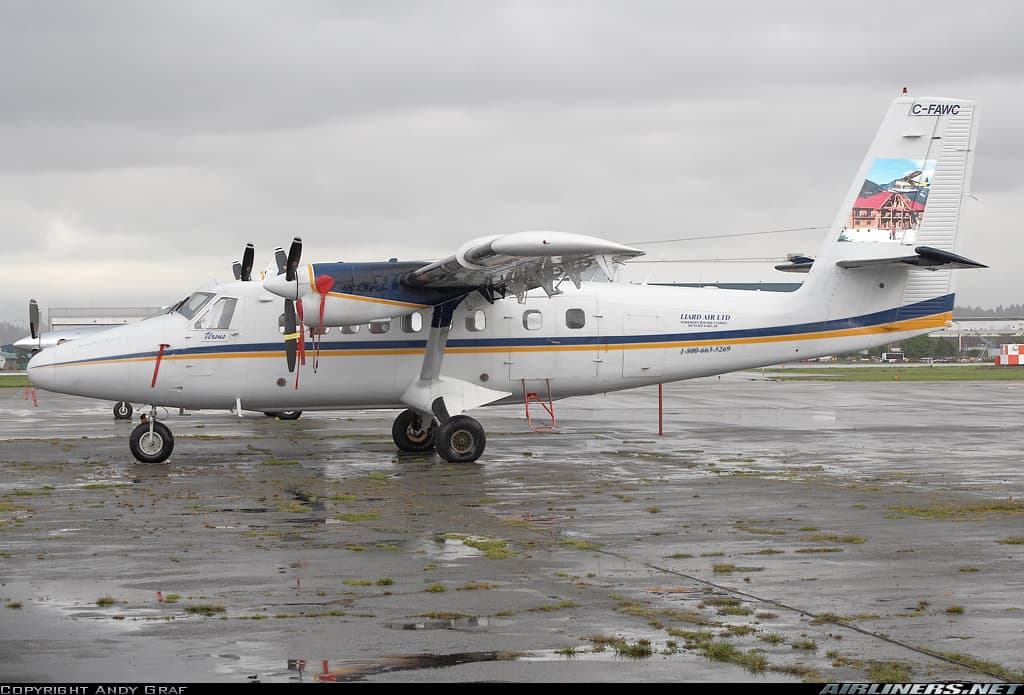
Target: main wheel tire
{"type": "Point", "coordinates": [153, 448]}
{"type": "Point", "coordinates": [123, 410]}
{"type": "Point", "coordinates": [409, 434]}
{"type": "Point", "coordinates": [460, 440]}
{"type": "Point", "coordinates": [284, 414]}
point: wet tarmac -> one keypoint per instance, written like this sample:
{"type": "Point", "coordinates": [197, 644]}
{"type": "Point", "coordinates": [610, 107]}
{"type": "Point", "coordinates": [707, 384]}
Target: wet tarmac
{"type": "Point", "coordinates": [777, 531]}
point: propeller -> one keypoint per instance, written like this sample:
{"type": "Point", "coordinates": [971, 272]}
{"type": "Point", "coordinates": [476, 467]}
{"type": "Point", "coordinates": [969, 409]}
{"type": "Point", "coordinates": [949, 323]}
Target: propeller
{"type": "Point", "coordinates": [33, 318]}
{"type": "Point", "coordinates": [292, 262]}
{"type": "Point", "coordinates": [281, 259]}
{"type": "Point", "coordinates": [247, 259]}
{"type": "Point", "coordinates": [236, 269]}
{"type": "Point", "coordinates": [293, 330]}
{"type": "Point", "coordinates": [291, 335]}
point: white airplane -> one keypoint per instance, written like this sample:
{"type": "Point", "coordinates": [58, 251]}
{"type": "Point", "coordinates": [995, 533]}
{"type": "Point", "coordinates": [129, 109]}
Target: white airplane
{"type": "Point", "coordinates": [497, 322]}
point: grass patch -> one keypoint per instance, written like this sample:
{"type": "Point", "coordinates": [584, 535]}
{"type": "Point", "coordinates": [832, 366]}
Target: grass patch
{"type": "Point", "coordinates": [641, 649]}
{"type": "Point", "coordinates": [551, 607]}
{"type": "Point", "coordinates": [833, 538]}
{"type": "Point", "coordinates": [356, 517]}
{"type": "Point", "coordinates": [13, 380]}
{"type": "Point", "coordinates": [979, 665]}
{"type": "Point", "coordinates": [357, 582]}
{"type": "Point", "coordinates": [889, 672]}
{"type": "Point", "coordinates": [963, 512]}
{"type": "Point", "coordinates": [493, 549]}
{"type": "Point", "coordinates": [206, 609]}
{"type": "Point", "coordinates": [678, 556]}
{"type": "Point", "coordinates": [31, 493]}
{"type": "Point", "coordinates": [809, 645]}
{"type": "Point", "coordinates": [475, 586]}
{"type": "Point", "coordinates": [819, 550]}
{"type": "Point", "coordinates": [343, 497]}
{"type": "Point", "coordinates": [729, 653]}
{"type": "Point", "coordinates": [726, 568]}
{"type": "Point", "coordinates": [104, 486]}
{"type": "Point", "coordinates": [379, 476]}
{"type": "Point", "coordinates": [1012, 540]}
{"type": "Point", "coordinates": [955, 610]}
{"type": "Point", "coordinates": [294, 507]}
{"type": "Point", "coordinates": [172, 598]}
{"type": "Point", "coordinates": [769, 551]}
{"type": "Point", "coordinates": [444, 615]}
{"type": "Point", "coordinates": [13, 605]}
{"type": "Point", "coordinates": [757, 530]}
{"type": "Point", "coordinates": [735, 610]}
{"type": "Point", "coordinates": [968, 569]}
{"type": "Point", "coordinates": [654, 510]}
{"type": "Point", "coordinates": [436, 588]}
{"type": "Point", "coordinates": [280, 462]}
{"type": "Point", "coordinates": [385, 581]}
{"type": "Point", "coordinates": [106, 601]}
{"type": "Point", "coordinates": [771, 638]}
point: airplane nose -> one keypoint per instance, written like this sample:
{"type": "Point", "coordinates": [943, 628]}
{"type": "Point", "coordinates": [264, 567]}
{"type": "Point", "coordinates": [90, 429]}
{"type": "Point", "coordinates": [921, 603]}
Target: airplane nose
{"type": "Point", "coordinates": [41, 371]}
{"type": "Point", "coordinates": [283, 288]}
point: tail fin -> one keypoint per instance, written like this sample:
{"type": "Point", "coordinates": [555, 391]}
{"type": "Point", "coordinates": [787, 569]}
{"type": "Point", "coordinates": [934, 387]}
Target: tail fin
{"type": "Point", "coordinates": [907, 195]}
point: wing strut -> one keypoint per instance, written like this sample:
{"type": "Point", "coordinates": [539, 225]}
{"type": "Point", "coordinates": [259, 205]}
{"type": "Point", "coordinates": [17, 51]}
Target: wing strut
{"type": "Point", "coordinates": [437, 397]}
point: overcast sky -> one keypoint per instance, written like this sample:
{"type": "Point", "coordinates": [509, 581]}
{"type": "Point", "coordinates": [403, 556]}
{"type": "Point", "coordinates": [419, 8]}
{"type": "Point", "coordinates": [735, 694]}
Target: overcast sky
{"type": "Point", "coordinates": [143, 143]}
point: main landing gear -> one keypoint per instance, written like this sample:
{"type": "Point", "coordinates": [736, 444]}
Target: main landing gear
{"type": "Point", "coordinates": [151, 441]}
{"type": "Point", "coordinates": [460, 439]}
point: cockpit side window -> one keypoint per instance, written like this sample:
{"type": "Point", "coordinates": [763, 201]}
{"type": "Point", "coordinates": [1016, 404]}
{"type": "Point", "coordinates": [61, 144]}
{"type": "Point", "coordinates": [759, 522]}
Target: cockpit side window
{"type": "Point", "coordinates": [191, 306]}
{"type": "Point", "coordinates": [220, 315]}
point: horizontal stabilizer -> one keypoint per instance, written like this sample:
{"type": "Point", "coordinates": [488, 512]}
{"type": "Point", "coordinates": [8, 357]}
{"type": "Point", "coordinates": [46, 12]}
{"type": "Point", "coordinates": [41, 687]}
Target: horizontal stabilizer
{"type": "Point", "coordinates": [925, 257]}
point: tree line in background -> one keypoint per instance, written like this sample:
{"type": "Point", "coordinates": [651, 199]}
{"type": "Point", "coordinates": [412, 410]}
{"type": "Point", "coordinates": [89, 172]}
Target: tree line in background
{"type": "Point", "coordinates": [1013, 311]}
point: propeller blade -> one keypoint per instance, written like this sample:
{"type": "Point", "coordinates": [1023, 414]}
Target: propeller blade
{"type": "Point", "coordinates": [247, 258]}
{"type": "Point", "coordinates": [290, 334]}
{"type": "Point", "coordinates": [33, 317]}
{"type": "Point", "coordinates": [281, 259]}
{"type": "Point", "coordinates": [236, 270]}
{"type": "Point", "coordinates": [294, 255]}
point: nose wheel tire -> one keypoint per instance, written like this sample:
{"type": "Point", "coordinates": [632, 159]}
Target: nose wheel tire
{"type": "Point", "coordinates": [460, 440]}
{"type": "Point", "coordinates": [123, 410]}
{"type": "Point", "coordinates": [152, 447]}
{"type": "Point", "coordinates": [409, 433]}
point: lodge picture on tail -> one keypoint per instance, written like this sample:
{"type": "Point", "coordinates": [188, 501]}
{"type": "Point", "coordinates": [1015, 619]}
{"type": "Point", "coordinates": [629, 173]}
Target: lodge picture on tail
{"type": "Point", "coordinates": [511, 317]}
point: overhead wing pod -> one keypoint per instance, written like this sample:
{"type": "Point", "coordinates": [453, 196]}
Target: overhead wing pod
{"type": "Point", "coordinates": [519, 262]}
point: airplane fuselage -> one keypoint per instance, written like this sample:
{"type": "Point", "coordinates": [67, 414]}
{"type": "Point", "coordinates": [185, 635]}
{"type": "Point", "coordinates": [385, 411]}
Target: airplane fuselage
{"type": "Point", "coordinates": [601, 337]}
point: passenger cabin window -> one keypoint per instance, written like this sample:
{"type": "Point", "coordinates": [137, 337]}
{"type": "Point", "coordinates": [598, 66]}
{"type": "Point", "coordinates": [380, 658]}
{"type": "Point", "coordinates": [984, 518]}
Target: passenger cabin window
{"type": "Point", "coordinates": [350, 330]}
{"type": "Point", "coordinates": [532, 320]}
{"type": "Point", "coordinates": [219, 316]}
{"type": "Point", "coordinates": [190, 307]}
{"type": "Point", "coordinates": [575, 318]}
{"type": "Point", "coordinates": [476, 321]}
{"type": "Point", "coordinates": [381, 326]}
{"type": "Point", "coordinates": [413, 323]}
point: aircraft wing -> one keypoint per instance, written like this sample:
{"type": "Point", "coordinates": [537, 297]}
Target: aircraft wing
{"type": "Point", "coordinates": [518, 262]}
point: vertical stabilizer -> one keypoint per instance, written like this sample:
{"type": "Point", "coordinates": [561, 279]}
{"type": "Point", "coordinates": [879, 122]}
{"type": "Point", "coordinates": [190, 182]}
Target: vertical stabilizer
{"type": "Point", "coordinates": [907, 193]}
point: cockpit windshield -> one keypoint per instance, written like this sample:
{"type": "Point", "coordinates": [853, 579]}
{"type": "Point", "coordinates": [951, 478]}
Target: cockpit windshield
{"type": "Point", "coordinates": [191, 305]}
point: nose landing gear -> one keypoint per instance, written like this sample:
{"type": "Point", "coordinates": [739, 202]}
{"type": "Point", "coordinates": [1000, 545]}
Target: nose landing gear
{"type": "Point", "coordinates": [151, 441]}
